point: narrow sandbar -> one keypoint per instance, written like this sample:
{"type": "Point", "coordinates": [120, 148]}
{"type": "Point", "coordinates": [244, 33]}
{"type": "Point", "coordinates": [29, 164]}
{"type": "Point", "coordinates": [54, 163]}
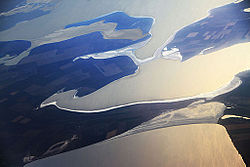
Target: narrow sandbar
{"type": "Point", "coordinates": [162, 79]}
{"type": "Point", "coordinates": [170, 15]}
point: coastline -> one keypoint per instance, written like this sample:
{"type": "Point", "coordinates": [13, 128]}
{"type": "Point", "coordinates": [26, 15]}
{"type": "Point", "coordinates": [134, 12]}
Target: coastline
{"type": "Point", "coordinates": [233, 84]}
{"type": "Point", "coordinates": [192, 145]}
{"type": "Point", "coordinates": [136, 90]}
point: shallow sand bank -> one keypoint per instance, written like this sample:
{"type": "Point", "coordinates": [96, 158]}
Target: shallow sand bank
{"type": "Point", "coordinates": [192, 114]}
{"type": "Point", "coordinates": [163, 80]}
{"type": "Point", "coordinates": [169, 16]}
{"type": "Point", "coordinates": [188, 145]}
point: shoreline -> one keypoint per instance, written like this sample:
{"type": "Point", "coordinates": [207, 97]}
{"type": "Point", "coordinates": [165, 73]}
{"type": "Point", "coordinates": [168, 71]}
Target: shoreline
{"type": "Point", "coordinates": [169, 149]}
{"type": "Point", "coordinates": [233, 84]}
{"type": "Point", "coordinates": [155, 93]}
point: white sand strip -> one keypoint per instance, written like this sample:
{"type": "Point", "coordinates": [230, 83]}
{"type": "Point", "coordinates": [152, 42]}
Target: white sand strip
{"type": "Point", "coordinates": [170, 15]}
{"type": "Point", "coordinates": [192, 114]}
{"type": "Point", "coordinates": [162, 80]}
{"type": "Point", "coordinates": [234, 116]}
